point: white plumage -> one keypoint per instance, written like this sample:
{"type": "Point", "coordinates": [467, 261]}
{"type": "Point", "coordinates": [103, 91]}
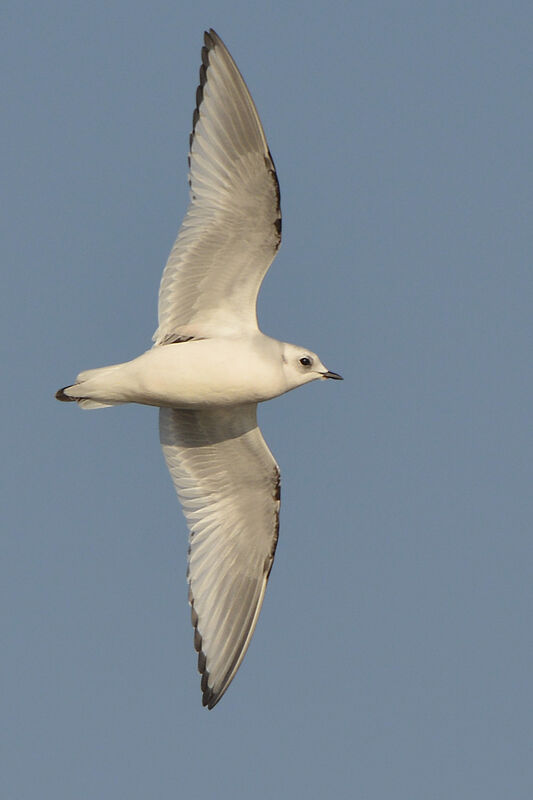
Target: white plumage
{"type": "Point", "coordinates": [210, 365]}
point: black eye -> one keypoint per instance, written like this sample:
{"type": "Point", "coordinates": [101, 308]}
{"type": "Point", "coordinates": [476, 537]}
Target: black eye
{"type": "Point", "coordinates": [305, 361]}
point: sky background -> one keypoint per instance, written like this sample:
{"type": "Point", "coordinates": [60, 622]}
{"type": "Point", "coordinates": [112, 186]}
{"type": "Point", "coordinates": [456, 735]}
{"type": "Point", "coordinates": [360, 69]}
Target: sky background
{"type": "Point", "coordinates": [393, 656]}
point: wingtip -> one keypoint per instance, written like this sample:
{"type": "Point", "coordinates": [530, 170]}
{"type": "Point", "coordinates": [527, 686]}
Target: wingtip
{"type": "Point", "coordinates": [211, 38]}
{"type": "Point", "coordinates": [209, 43]}
{"type": "Point", "coordinates": [209, 698]}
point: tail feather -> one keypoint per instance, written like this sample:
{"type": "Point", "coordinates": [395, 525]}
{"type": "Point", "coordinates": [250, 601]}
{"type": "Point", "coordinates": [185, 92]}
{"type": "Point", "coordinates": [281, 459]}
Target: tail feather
{"type": "Point", "coordinates": [83, 402]}
{"type": "Point", "coordinates": [64, 398]}
{"type": "Point", "coordinates": [89, 383]}
{"type": "Point", "coordinates": [87, 403]}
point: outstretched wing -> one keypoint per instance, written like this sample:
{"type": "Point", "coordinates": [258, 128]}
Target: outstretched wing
{"type": "Point", "coordinates": [228, 483]}
{"type": "Point", "coordinates": [232, 229]}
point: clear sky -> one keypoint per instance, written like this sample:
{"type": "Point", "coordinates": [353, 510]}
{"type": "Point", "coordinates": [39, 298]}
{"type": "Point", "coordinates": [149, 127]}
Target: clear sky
{"type": "Point", "coordinates": [393, 657]}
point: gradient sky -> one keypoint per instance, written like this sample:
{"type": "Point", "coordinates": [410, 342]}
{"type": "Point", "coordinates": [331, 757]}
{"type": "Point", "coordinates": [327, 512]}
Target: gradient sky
{"type": "Point", "coordinates": [393, 657]}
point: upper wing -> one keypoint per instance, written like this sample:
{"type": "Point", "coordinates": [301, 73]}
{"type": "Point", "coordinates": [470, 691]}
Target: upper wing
{"type": "Point", "coordinates": [228, 483]}
{"type": "Point", "coordinates": [232, 229]}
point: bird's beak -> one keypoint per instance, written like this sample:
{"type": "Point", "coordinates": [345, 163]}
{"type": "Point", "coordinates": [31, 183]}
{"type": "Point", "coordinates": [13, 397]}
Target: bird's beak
{"type": "Point", "coordinates": [333, 375]}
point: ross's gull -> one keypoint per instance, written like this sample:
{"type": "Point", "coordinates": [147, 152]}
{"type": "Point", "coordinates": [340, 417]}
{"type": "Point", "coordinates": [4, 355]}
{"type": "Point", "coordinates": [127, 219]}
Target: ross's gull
{"type": "Point", "coordinates": [210, 365]}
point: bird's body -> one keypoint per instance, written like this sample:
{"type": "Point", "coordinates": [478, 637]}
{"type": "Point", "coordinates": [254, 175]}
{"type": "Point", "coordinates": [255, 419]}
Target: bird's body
{"type": "Point", "coordinates": [198, 373]}
{"type": "Point", "coordinates": [210, 365]}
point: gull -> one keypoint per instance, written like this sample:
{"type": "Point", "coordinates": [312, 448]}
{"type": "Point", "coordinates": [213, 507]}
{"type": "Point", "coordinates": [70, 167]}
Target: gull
{"type": "Point", "coordinates": [210, 366]}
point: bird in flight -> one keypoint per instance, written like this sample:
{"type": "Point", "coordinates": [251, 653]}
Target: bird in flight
{"type": "Point", "coordinates": [210, 366]}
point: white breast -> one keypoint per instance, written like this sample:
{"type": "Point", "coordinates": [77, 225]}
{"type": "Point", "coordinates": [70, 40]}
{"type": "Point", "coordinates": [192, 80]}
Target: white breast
{"type": "Point", "coordinates": [204, 373]}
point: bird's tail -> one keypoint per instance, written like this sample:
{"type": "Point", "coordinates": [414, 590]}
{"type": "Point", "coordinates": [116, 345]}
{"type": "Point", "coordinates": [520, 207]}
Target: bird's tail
{"type": "Point", "coordinates": [89, 391]}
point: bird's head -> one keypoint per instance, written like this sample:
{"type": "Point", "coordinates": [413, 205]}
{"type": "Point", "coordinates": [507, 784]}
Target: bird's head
{"type": "Point", "coordinates": [303, 366]}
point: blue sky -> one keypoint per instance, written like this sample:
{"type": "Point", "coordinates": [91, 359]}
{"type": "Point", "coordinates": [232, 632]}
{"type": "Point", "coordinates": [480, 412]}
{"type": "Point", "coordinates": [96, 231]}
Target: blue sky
{"type": "Point", "coordinates": [393, 656]}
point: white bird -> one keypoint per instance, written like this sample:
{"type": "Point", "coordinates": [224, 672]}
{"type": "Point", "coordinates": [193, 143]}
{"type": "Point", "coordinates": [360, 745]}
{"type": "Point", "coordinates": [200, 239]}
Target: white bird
{"type": "Point", "coordinates": [210, 365]}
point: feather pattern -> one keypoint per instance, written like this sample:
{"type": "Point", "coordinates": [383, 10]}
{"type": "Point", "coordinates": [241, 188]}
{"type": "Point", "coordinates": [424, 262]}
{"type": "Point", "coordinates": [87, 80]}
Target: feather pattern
{"type": "Point", "coordinates": [228, 483]}
{"type": "Point", "coordinates": [232, 228]}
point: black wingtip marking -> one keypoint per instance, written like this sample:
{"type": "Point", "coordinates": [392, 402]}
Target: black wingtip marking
{"type": "Point", "coordinates": [199, 90]}
{"type": "Point", "coordinates": [277, 484]}
{"type": "Point", "coordinates": [201, 662]}
{"type": "Point", "coordinates": [205, 55]}
{"type": "Point", "coordinates": [209, 44]}
{"type": "Point", "coordinates": [269, 164]}
{"type": "Point", "coordinates": [209, 698]}
{"type": "Point", "coordinates": [211, 39]}
{"type": "Point", "coordinates": [272, 169]}
{"type": "Point", "coordinates": [276, 494]}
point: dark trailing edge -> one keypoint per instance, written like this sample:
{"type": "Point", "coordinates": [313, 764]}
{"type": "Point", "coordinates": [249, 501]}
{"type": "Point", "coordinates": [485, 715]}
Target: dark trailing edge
{"type": "Point", "coordinates": [209, 697]}
{"type": "Point", "coordinates": [211, 40]}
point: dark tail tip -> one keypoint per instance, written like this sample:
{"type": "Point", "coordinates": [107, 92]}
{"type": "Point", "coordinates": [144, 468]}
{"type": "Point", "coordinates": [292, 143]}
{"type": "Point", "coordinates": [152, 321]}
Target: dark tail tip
{"type": "Point", "coordinates": [60, 395]}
